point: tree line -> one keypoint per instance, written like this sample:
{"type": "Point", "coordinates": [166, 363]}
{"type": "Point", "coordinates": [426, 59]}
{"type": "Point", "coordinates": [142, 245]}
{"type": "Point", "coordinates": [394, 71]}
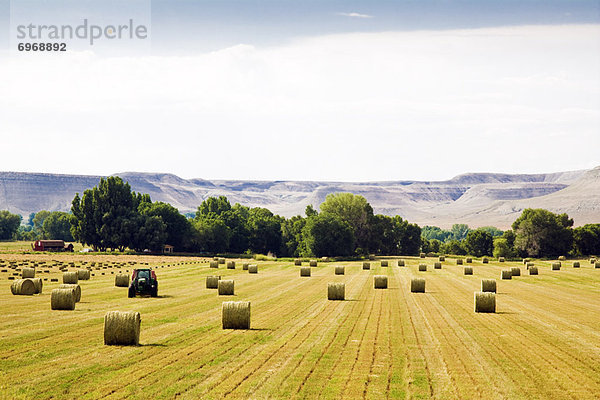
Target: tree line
{"type": "Point", "coordinates": [111, 216]}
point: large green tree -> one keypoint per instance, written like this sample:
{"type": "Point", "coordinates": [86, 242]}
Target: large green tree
{"type": "Point", "coordinates": [328, 235]}
{"type": "Point", "coordinates": [106, 216]}
{"type": "Point", "coordinates": [177, 226]}
{"type": "Point", "coordinates": [213, 235]}
{"type": "Point", "coordinates": [455, 247]}
{"type": "Point", "coordinates": [291, 236]}
{"type": "Point", "coordinates": [265, 231]}
{"type": "Point", "coordinates": [434, 232]}
{"type": "Point", "coordinates": [541, 233]}
{"type": "Point", "coordinates": [38, 222]}
{"type": "Point", "coordinates": [479, 243]}
{"type": "Point", "coordinates": [460, 231]}
{"type": "Point", "coordinates": [57, 225]}
{"type": "Point", "coordinates": [356, 211]}
{"type": "Point", "coordinates": [587, 239]}
{"type": "Point", "coordinates": [502, 248]}
{"type": "Point", "coordinates": [9, 224]}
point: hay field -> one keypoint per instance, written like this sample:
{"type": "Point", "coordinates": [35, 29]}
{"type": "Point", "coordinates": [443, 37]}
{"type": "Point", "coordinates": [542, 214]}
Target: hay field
{"type": "Point", "coordinates": [543, 342]}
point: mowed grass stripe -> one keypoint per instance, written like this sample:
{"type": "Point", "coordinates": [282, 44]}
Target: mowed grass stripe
{"type": "Point", "coordinates": [313, 310]}
{"type": "Point", "coordinates": [312, 385]}
{"type": "Point", "coordinates": [512, 368]}
{"type": "Point", "coordinates": [215, 347]}
{"type": "Point", "coordinates": [463, 366]}
{"type": "Point", "coordinates": [520, 353]}
{"type": "Point", "coordinates": [290, 379]}
{"type": "Point", "coordinates": [536, 299]}
{"type": "Point", "coordinates": [463, 355]}
{"type": "Point", "coordinates": [212, 381]}
{"type": "Point", "coordinates": [278, 365]}
{"type": "Point", "coordinates": [69, 356]}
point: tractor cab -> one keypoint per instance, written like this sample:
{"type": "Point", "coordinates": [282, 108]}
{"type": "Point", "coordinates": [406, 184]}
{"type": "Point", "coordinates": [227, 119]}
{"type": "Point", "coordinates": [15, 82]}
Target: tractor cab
{"type": "Point", "coordinates": [143, 282]}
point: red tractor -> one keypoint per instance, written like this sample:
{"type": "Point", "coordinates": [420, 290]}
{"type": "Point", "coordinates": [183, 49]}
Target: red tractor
{"type": "Point", "coordinates": [143, 282]}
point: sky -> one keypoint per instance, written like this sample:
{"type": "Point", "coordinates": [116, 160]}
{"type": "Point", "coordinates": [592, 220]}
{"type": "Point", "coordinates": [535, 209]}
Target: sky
{"type": "Point", "coordinates": [311, 90]}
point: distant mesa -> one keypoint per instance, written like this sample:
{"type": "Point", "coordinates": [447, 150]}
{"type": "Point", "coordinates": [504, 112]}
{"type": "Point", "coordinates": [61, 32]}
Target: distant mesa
{"type": "Point", "coordinates": [477, 199]}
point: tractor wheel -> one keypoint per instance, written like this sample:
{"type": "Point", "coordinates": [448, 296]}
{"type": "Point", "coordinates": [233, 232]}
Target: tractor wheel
{"type": "Point", "coordinates": [154, 292]}
{"type": "Point", "coordinates": [131, 292]}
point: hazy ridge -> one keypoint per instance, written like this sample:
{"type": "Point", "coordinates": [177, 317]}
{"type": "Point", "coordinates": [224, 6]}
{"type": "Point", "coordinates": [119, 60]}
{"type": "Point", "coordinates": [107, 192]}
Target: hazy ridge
{"type": "Point", "coordinates": [475, 198]}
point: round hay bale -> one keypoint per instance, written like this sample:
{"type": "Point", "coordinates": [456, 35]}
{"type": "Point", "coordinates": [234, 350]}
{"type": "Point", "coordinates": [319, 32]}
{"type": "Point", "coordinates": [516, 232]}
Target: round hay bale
{"type": "Point", "coordinates": [340, 270]}
{"type": "Point", "coordinates": [216, 259]}
{"type": "Point", "coordinates": [380, 281]}
{"type": "Point", "coordinates": [422, 255]}
{"type": "Point", "coordinates": [214, 264]}
{"type": "Point", "coordinates": [515, 271]}
{"type": "Point", "coordinates": [485, 260]}
{"type": "Point", "coordinates": [533, 270]}
{"type": "Point", "coordinates": [312, 263]}
{"type": "Point", "coordinates": [597, 264]}
{"type": "Point", "coordinates": [371, 257]}
{"type": "Point", "coordinates": [28, 273]}
{"type": "Point", "coordinates": [297, 261]}
{"type": "Point", "coordinates": [485, 302]}
{"type": "Point", "coordinates": [422, 267]}
{"type": "Point", "coordinates": [441, 258]}
{"type": "Point", "coordinates": [336, 291]}
{"type": "Point", "coordinates": [384, 263]}
{"type": "Point", "coordinates": [556, 266]}
{"type": "Point", "coordinates": [24, 287]}
{"type": "Point", "coordinates": [592, 261]}
{"type": "Point", "coordinates": [304, 271]}
{"type": "Point", "coordinates": [221, 261]}
{"type": "Point", "coordinates": [506, 274]}
{"type": "Point", "coordinates": [122, 328]}
{"type": "Point", "coordinates": [401, 263]}
{"type": "Point", "coordinates": [417, 285]}
{"type": "Point", "coordinates": [488, 285]}
{"type": "Point", "coordinates": [459, 261]}
{"type": "Point", "coordinates": [122, 280]}
{"type": "Point", "coordinates": [468, 270]}
{"type": "Point", "coordinates": [576, 264]}
{"type": "Point", "coordinates": [230, 264]}
{"type": "Point", "coordinates": [236, 315]}
{"type": "Point", "coordinates": [62, 299]}
{"type": "Point", "coordinates": [75, 287]}
{"type": "Point", "coordinates": [53, 279]}
{"type": "Point", "coordinates": [39, 285]}
{"type": "Point", "coordinates": [212, 282]}
{"type": "Point", "coordinates": [245, 266]}
{"type": "Point", "coordinates": [226, 287]}
{"type": "Point", "coordinates": [437, 265]}
{"type": "Point", "coordinates": [325, 259]}
{"type": "Point", "coordinates": [562, 258]}
{"type": "Point", "coordinates": [366, 265]}
{"type": "Point", "coordinates": [70, 277]}
{"type": "Point", "coordinates": [501, 259]}
{"type": "Point", "coordinates": [469, 260]}
{"type": "Point", "coordinates": [83, 274]}
{"type": "Point", "coordinates": [253, 269]}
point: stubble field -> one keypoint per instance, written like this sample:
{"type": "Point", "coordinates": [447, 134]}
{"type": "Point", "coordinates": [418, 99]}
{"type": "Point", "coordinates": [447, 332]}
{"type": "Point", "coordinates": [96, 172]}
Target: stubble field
{"type": "Point", "coordinates": [543, 342]}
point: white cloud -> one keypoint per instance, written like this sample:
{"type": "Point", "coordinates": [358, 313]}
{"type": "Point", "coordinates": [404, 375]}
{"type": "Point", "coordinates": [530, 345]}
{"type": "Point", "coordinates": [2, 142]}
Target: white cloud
{"type": "Point", "coordinates": [380, 106]}
{"type": "Point", "coordinates": [355, 15]}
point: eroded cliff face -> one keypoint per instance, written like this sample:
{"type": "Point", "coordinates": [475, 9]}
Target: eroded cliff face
{"type": "Point", "coordinates": [476, 199]}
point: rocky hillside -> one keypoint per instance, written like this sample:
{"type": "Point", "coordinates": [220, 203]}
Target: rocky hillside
{"type": "Point", "coordinates": [477, 199]}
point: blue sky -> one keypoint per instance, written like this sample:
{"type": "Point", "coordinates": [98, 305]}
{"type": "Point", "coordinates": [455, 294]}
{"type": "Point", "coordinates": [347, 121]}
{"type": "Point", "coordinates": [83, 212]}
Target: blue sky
{"type": "Point", "coordinates": [181, 26]}
{"type": "Point", "coordinates": [312, 90]}
{"type": "Point", "coordinates": [215, 24]}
